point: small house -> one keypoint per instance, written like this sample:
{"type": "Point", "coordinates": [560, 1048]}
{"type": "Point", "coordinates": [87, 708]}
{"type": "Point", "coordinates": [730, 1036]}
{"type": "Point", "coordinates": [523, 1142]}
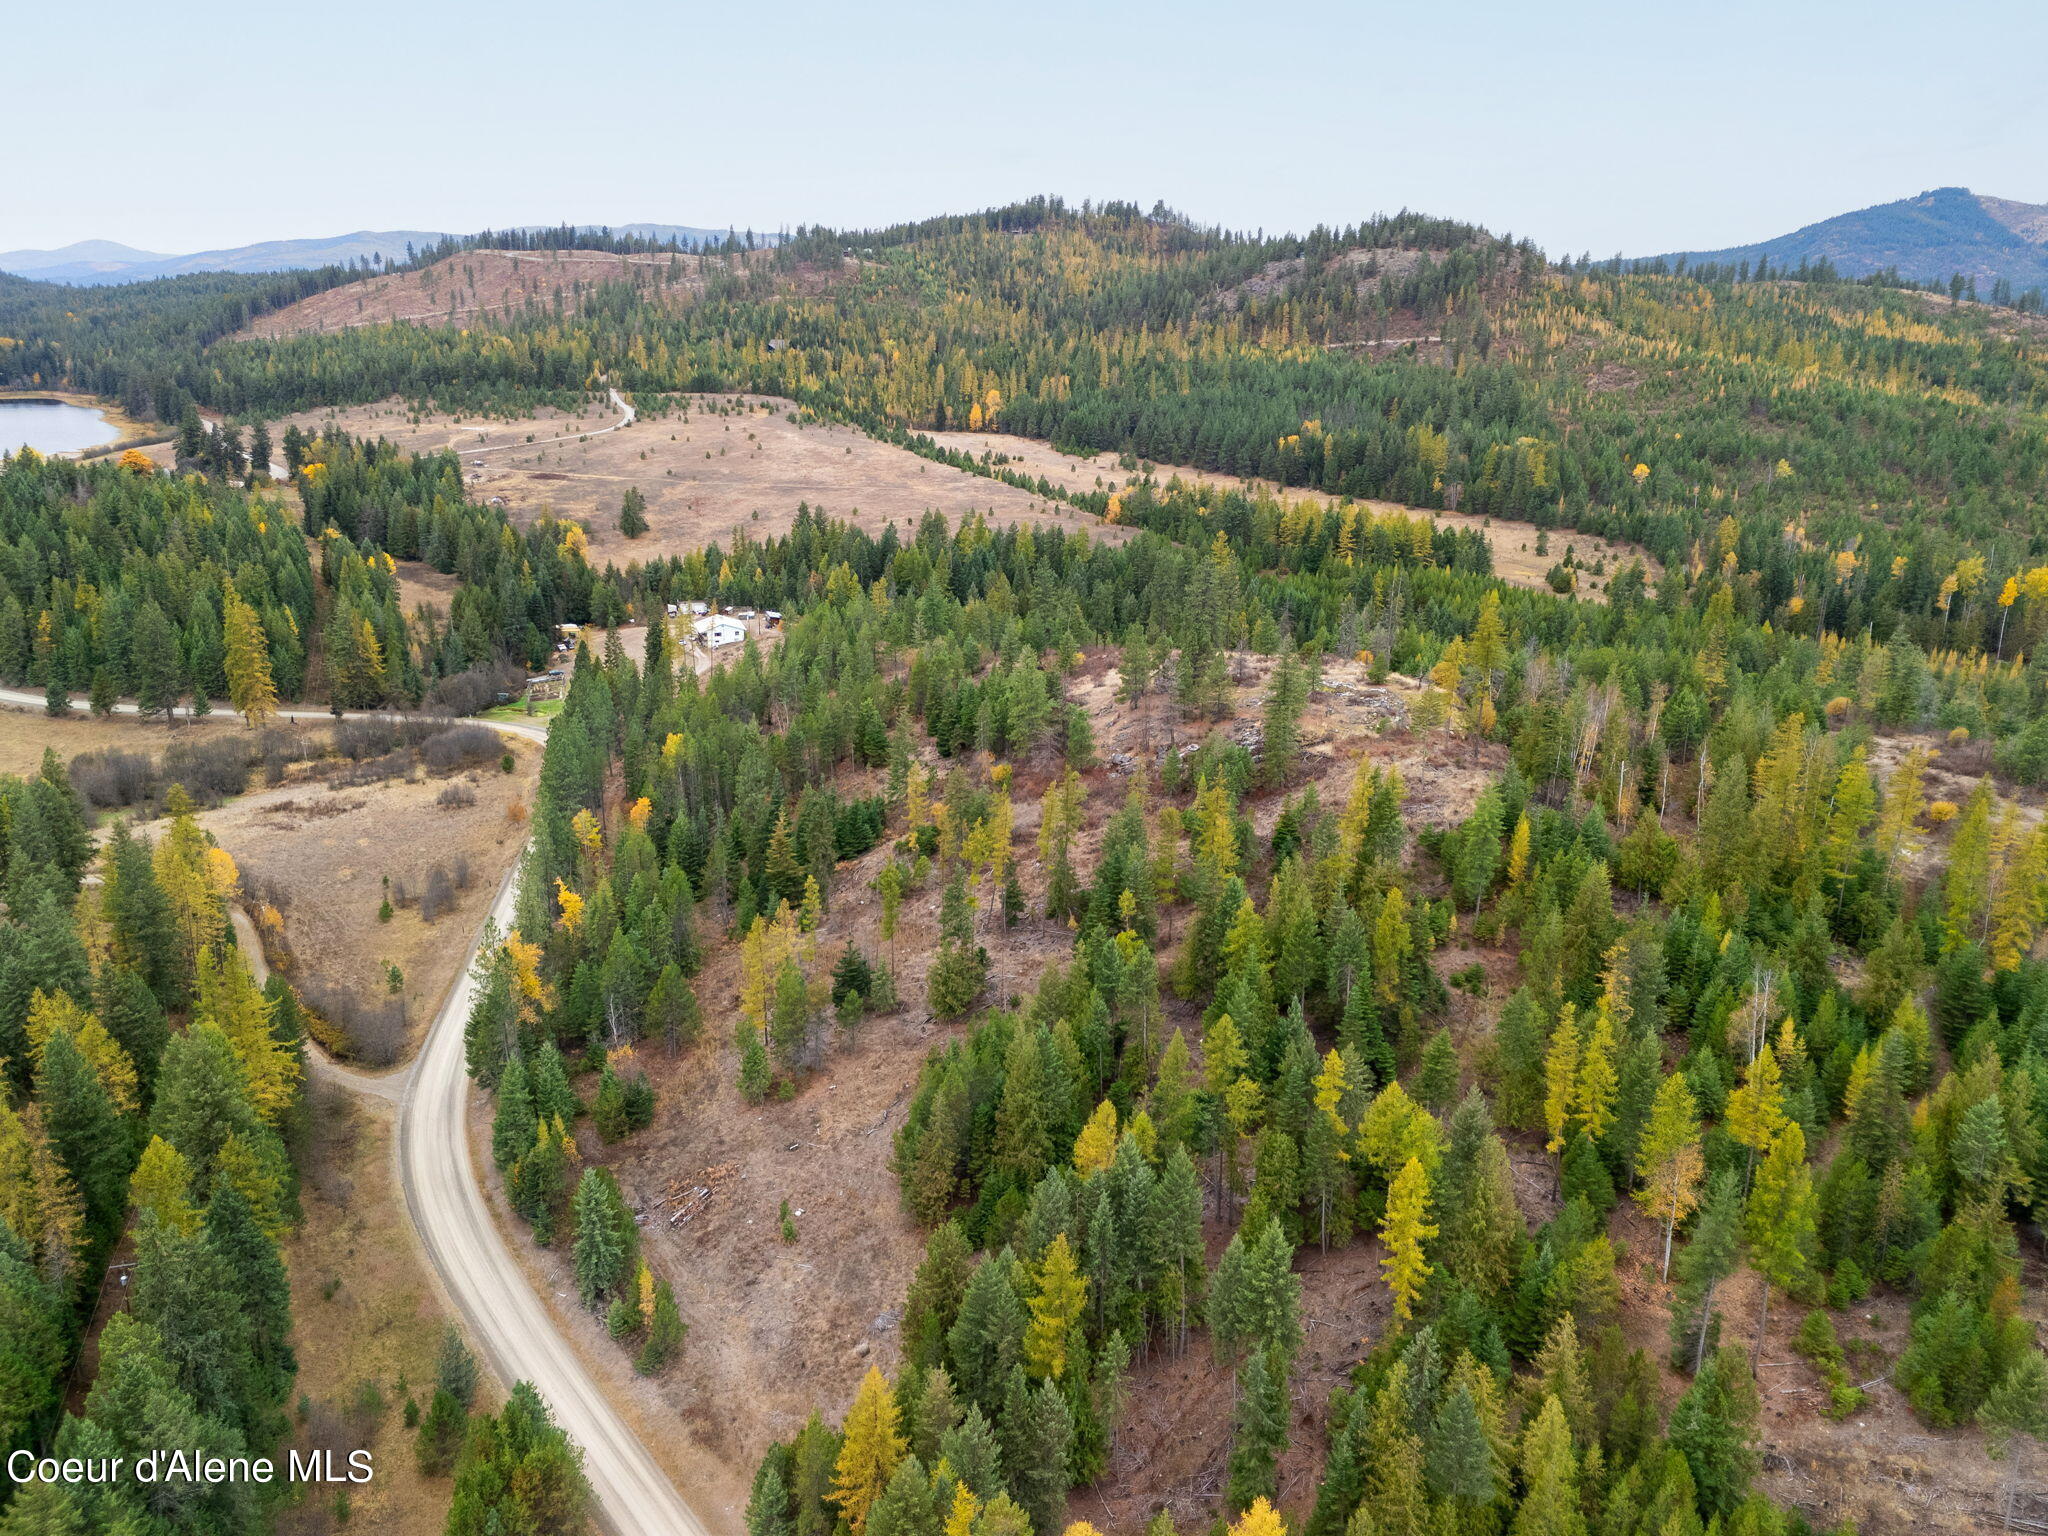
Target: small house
{"type": "Point", "coordinates": [716, 632]}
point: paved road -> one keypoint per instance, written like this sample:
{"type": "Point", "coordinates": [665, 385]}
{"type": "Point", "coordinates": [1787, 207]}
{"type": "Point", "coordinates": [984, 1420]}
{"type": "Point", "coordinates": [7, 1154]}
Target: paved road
{"type": "Point", "coordinates": [452, 1219]}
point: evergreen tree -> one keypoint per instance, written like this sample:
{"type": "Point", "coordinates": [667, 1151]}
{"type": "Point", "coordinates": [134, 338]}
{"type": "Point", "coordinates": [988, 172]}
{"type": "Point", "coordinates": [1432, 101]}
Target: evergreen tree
{"type": "Point", "coordinates": [1713, 1427]}
{"type": "Point", "coordinates": [607, 1244]}
{"type": "Point", "coordinates": [633, 513]}
{"type": "Point", "coordinates": [1259, 1430]}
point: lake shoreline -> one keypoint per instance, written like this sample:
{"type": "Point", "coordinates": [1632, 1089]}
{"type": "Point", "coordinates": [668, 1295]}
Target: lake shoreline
{"type": "Point", "coordinates": [124, 431]}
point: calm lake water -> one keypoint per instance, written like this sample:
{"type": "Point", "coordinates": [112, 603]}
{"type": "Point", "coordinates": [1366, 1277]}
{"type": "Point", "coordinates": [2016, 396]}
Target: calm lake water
{"type": "Point", "coordinates": [50, 426]}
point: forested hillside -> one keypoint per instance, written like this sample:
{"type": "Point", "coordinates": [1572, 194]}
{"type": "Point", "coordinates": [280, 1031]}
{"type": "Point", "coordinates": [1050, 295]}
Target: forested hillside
{"type": "Point", "coordinates": [1822, 416]}
{"type": "Point", "coordinates": [1697, 1030]}
{"type": "Point", "coordinates": [1740, 1009]}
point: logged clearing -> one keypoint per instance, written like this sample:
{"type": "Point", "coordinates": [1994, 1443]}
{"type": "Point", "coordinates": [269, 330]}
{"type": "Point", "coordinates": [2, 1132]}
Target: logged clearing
{"type": "Point", "coordinates": [778, 1329]}
{"type": "Point", "coordinates": [367, 1317]}
{"type": "Point", "coordinates": [481, 285]}
{"type": "Point", "coordinates": [775, 1328]}
{"type": "Point", "coordinates": [319, 853]}
{"type": "Point", "coordinates": [709, 465]}
{"type": "Point", "coordinates": [1515, 556]}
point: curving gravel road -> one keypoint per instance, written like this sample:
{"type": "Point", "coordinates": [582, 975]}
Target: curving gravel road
{"type": "Point", "coordinates": [451, 1218]}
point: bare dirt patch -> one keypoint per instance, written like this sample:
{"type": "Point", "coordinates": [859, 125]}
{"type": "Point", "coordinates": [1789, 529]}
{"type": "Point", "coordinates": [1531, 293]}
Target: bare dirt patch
{"type": "Point", "coordinates": [726, 463]}
{"type": "Point", "coordinates": [1349, 717]}
{"type": "Point", "coordinates": [1172, 1448]}
{"type": "Point", "coordinates": [320, 855]}
{"type": "Point", "coordinates": [366, 1312]}
{"type": "Point", "coordinates": [1515, 556]}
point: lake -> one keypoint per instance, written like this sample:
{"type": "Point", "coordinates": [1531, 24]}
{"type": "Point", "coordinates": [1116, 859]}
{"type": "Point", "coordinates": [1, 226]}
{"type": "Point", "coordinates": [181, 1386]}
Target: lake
{"type": "Point", "coordinates": [51, 426]}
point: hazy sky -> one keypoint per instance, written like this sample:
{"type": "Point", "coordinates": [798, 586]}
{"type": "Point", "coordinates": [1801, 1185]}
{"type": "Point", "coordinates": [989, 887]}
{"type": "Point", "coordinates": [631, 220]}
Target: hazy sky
{"type": "Point", "coordinates": [1588, 124]}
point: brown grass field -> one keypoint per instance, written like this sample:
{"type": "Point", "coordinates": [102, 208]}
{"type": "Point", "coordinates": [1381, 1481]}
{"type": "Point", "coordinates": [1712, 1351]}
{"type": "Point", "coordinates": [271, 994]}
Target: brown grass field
{"type": "Point", "coordinates": [322, 856]}
{"type": "Point", "coordinates": [723, 464]}
{"type": "Point", "coordinates": [1514, 543]}
{"type": "Point", "coordinates": [25, 734]}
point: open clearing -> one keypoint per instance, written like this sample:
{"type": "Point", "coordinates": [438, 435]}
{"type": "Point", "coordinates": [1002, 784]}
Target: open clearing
{"type": "Point", "coordinates": [320, 855]}
{"type": "Point", "coordinates": [708, 465]}
{"type": "Point", "coordinates": [1514, 543]}
{"type": "Point", "coordinates": [24, 735]}
{"type": "Point", "coordinates": [481, 285]}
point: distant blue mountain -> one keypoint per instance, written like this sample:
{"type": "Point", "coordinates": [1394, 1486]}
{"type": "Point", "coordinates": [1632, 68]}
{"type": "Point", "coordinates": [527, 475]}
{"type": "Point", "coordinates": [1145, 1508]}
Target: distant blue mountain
{"type": "Point", "coordinates": [91, 262]}
{"type": "Point", "coordinates": [1926, 238]}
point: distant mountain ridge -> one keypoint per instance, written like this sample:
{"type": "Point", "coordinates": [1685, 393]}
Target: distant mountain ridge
{"type": "Point", "coordinates": [93, 262]}
{"type": "Point", "coordinates": [1926, 238]}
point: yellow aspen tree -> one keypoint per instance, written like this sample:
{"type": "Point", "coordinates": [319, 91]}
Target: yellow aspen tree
{"type": "Point", "coordinates": [571, 904]}
{"type": "Point", "coordinates": [1403, 1230]}
{"type": "Point", "coordinates": [872, 1447]}
{"type": "Point", "coordinates": [1561, 1076]}
{"type": "Point", "coordinates": [1055, 1309]}
{"type": "Point", "coordinates": [1669, 1161]}
{"type": "Point", "coordinates": [535, 996]}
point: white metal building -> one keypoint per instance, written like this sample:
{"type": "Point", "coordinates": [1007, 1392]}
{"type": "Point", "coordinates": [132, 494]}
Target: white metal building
{"type": "Point", "coordinates": [717, 631]}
